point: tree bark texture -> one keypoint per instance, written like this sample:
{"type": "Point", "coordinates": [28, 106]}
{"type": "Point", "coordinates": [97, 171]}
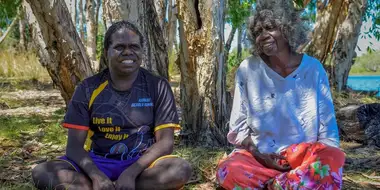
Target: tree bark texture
{"type": "Point", "coordinates": [325, 29]}
{"type": "Point", "coordinates": [143, 14]}
{"type": "Point", "coordinates": [227, 46]}
{"type": "Point", "coordinates": [172, 26]}
{"type": "Point", "coordinates": [81, 17]}
{"type": "Point", "coordinates": [345, 43]}
{"type": "Point", "coordinates": [239, 41]}
{"type": "Point", "coordinates": [201, 63]}
{"type": "Point", "coordinates": [92, 31]}
{"type": "Point", "coordinates": [161, 6]}
{"type": "Point", "coordinates": [71, 5]}
{"type": "Point", "coordinates": [22, 24]}
{"type": "Point", "coordinates": [59, 47]}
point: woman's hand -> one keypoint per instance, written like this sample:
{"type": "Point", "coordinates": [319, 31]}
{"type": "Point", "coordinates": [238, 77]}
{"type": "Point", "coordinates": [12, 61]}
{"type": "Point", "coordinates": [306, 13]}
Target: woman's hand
{"type": "Point", "coordinates": [270, 161]}
{"type": "Point", "coordinates": [127, 179]}
{"type": "Point", "coordinates": [267, 160]}
{"type": "Point", "coordinates": [102, 182]}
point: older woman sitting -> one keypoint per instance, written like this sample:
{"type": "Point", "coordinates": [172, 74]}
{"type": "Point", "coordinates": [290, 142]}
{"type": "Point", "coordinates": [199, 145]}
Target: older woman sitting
{"type": "Point", "coordinates": [282, 122]}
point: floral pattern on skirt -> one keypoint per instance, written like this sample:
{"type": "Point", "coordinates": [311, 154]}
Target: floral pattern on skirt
{"type": "Point", "coordinates": [314, 166]}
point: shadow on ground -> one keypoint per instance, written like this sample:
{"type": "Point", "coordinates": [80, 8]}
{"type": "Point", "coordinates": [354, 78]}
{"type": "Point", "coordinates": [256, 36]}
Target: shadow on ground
{"type": "Point", "coordinates": [30, 117]}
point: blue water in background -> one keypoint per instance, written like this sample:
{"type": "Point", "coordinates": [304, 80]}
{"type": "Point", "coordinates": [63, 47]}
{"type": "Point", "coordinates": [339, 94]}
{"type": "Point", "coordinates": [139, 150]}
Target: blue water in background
{"type": "Point", "coordinates": [365, 83]}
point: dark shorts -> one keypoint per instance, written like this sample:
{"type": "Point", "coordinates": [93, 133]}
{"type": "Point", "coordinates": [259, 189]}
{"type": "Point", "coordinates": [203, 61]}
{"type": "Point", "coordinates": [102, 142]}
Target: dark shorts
{"type": "Point", "coordinates": [112, 168]}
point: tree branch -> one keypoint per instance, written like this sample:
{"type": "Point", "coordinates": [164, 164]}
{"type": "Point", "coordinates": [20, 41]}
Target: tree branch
{"type": "Point", "coordinates": [2, 38]}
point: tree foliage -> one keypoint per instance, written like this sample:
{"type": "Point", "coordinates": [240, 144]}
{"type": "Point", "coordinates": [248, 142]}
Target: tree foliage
{"type": "Point", "coordinates": [8, 10]}
{"type": "Point", "coordinates": [372, 14]}
{"type": "Point", "coordinates": [238, 11]}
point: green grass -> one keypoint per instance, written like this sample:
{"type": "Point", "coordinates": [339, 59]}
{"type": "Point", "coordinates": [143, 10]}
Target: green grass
{"type": "Point", "coordinates": [20, 186]}
{"type": "Point", "coordinates": [365, 73]}
{"type": "Point", "coordinates": [16, 127]}
{"type": "Point", "coordinates": [16, 132]}
{"type": "Point", "coordinates": [173, 68]}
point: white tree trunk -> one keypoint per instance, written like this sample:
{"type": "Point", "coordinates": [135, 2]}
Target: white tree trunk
{"type": "Point", "coordinates": [81, 20]}
{"type": "Point", "coordinates": [161, 6]}
{"type": "Point", "coordinates": [98, 5]}
{"type": "Point", "coordinates": [346, 41]}
{"type": "Point", "coordinates": [111, 12]}
{"type": "Point", "coordinates": [22, 29]}
{"type": "Point", "coordinates": [59, 46]}
{"type": "Point", "coordinates": [143, 14]}
{"type": "Point", "coordinates": [325, 29]}
{"type": "Point", "coordinates": [92, 31]}
{"type": "Point", "coordinates": [71, 5]}
{"type": "Point", "coordinates": [227, 46]}
{"type": "Point", "coordinates": [201, 62]}
{"type": "Point", "coordinates": [171, 29]}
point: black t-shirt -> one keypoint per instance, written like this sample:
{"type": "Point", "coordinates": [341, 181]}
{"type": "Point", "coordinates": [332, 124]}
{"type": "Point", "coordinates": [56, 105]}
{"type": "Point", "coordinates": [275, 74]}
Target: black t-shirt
{"type": "Point", "coordinates": [121, 124]}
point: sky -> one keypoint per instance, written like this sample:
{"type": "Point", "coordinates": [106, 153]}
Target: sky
{"type": "Point", "coordinates": [362, 42]}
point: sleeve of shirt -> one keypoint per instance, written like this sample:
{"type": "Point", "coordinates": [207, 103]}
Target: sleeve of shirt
{"type": "Point", "coordinates": [77, 115]}
{"type": "Point", "coordinates": [328, 128]}
{"type": "Point", "coordinates": [165, 109]}
{"type": "Point", "coordinates": [239, 129]}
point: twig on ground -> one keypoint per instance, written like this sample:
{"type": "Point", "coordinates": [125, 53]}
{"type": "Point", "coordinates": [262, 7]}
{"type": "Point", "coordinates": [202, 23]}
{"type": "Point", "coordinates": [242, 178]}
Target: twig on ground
{"type": "Point", "coordinates": [376, 178]}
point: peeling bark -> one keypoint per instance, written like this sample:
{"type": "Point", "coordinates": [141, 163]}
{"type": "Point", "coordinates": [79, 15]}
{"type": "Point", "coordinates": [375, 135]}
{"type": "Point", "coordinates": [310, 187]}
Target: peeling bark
{"type": "Point", "coordinates": [172, 26]}
{"type": "Point", "coordinates": [325, 29]}
{"type": "Point", "coordinates": [22, 29]}
{"type": "Point", "coordinates": [71, 5]}
{"type": "Point", "coordinates": [227, 47]}
{"type": "Point", "coordinates": [345, 44]}
{"type": "Point", "coordinates": [60, 49]}
{"type": "Point", "coordinates": [81, 17]}
{"type": "Point", "coordinates": [201, 63]}
{"type": "Point", "coordinates": [160, 6]}
{"type": "Point", "coordinates": [92, 31]}
{"type": "Point", "coordinates": [239, 41]}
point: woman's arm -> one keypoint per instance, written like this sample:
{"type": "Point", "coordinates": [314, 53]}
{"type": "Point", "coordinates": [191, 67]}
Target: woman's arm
{"type": "Point", "coordinates": [239, 129]}
{"type": "Point", "coordinates": [76, 153]}
{"type": "Point", "coordinates": [77, 120]}
{"type": "Point", "coordinates": [328, 128]}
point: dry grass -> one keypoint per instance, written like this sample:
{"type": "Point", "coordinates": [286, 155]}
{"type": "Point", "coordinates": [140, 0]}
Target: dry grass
{"type": "Point", "coordinates": [21, 65]}
{"type": "Point", "coordinates": [362, 166]}
{"type": "Point", "coordinates": [352, 98]}
{"type": "Point", "coordinates": [204, 162]}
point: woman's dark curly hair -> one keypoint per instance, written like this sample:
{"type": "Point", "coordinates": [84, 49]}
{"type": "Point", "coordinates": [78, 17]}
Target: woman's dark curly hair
{"type": "Point", "coordinates": [282, 15]}
{"type": "Point", "coordinates": [116, 27]}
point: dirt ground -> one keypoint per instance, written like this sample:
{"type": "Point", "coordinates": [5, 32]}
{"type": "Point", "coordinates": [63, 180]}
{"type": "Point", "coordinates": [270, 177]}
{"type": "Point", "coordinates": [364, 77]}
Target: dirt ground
{"type": "Point", "coordinates": [30, 134]}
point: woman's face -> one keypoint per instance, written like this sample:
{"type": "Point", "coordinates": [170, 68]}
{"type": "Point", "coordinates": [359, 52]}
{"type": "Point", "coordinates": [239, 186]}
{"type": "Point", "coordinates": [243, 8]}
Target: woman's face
{"type": "Point", "coordinates": [269, 38]}
{"type": "Point", "coordinates": [124, 55]}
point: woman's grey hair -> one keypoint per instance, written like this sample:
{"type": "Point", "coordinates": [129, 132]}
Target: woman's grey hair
{"type": "Point", "coordinates": [282, 14]}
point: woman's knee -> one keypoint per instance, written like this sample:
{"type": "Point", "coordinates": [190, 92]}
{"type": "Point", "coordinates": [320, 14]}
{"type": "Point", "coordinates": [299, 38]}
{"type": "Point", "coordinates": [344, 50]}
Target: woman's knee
{"type": "Point", "coordinates": [51, 173]}
{"type": "Point", "coordinates": [177, 172]}
{"type": "Point", "coordinates": [224, 169]}
{"type": "Point", "coordinates": [39, 174]}
{"type": "Point", "coordinates": [182, 169]}
{"type": "Point", "coordinates": [334, 154]}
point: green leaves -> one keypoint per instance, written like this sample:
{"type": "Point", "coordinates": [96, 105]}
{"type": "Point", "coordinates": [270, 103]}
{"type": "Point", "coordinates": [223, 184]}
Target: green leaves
{"type": "Point", "coordinates": [238, 11]}
{"type": "Point", "coordinates": [299, 3]}
{"type": "Point", "coordinates": [8, 10]}
{"type": "Point", "coordinates": [372, 14]}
